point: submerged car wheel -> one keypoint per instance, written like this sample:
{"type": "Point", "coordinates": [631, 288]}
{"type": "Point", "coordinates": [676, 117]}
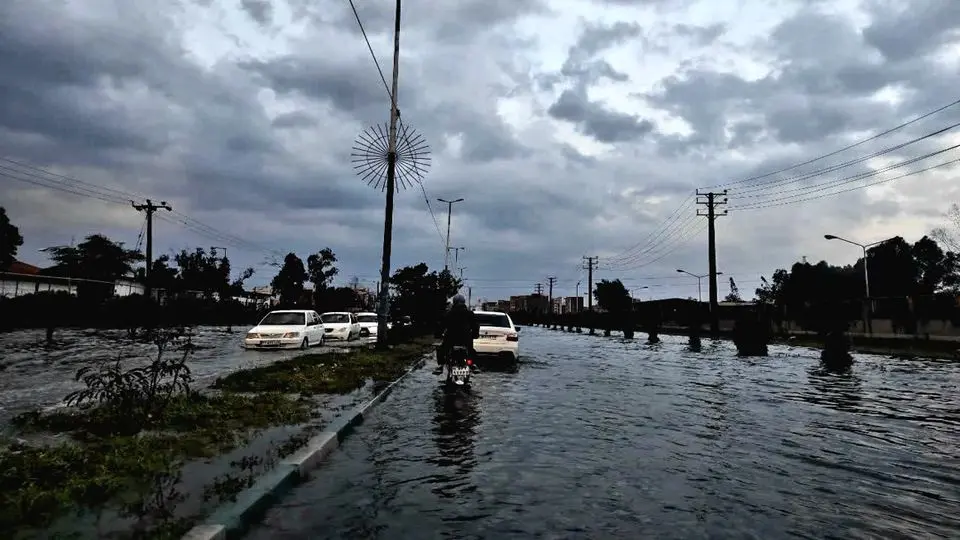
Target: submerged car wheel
{"type": "Point", "coordinates": [305, 343]}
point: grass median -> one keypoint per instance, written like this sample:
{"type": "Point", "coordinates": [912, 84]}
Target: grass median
{"type": "Point", "coordinates": [330, 373]}
{"type": "Point", "coordinates": [120, 448]}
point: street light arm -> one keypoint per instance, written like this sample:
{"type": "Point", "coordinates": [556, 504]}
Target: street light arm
{"type": "Point", "coordinates": [832, 237]}
{"type": "Point", "coordinates": [868, 246]}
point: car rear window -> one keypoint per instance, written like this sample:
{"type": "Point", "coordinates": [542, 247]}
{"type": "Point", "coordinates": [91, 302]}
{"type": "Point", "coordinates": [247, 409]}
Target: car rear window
{"type": "Point", "coordinates": [493, 319]}
{"type": "Point", "coordinates": [276, 319]}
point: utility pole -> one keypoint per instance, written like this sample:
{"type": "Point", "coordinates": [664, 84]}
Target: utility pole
{"type": "Point", "coordinates": [551, 280]}
{"type": "Point", "coordinates": [456, 254]}
{"type": "Point", "coordinates": [539, 288]}
{"type": "Point", "coordinates": [461, 272]}
{"type": "Point", "coordinates": [446, 254]}
{"type": "Point", "coordinates": [577, 305]}
{"type": "Point", "coordinates": [591, 264]}
{"type": "Point", "coordinates": [383, 311]}
{"type": "Point", "coordinates": [149, 208]}
{"type": "Point", "coordinates": [469, 295]}
{"type": "Point", "coordinates": [712, 200]}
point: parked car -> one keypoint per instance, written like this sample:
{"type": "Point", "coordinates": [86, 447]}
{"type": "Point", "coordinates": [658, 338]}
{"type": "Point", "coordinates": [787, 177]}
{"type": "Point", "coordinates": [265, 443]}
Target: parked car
{"type": "Point", "coordinates": [368, 324]}
{"type": "Point", "coordinates": [498, 335]}
{"type": "Point", "coordinates": [286, 329]}
{"type": "Point", "coordinates": [340, 325]}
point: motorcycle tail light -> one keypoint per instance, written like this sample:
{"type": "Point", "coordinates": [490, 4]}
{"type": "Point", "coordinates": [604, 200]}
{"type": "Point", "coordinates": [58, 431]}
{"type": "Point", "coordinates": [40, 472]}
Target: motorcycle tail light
{"type": "Point", "coordinates": [469, 362]}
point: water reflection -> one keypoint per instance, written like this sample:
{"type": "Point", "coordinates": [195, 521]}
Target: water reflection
{"type": "Point", "coordinates": [455, 425]}
{"type": "Point", "coordinates": [839, 390]}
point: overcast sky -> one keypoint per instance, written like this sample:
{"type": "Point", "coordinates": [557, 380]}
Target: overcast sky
{"type": "Point", "coordinates": [571, 128]}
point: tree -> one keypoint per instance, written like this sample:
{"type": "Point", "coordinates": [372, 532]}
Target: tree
{"type": "Point", "coordinates": [163, 276]}
{"type": "Point", "coordinates": [338, 299]}
{"type": "Point", "coordinates": [236, 287]}
{"type": "Point", "coordinates": [422, 294]}
{"type": "Point", "coordinates": [613, 296]}
{"type": "Point", "coordinates": [98, 259]}
{"type": "Point", "coordinates": [204, 272]}
{"type": "Point", "coordinates": [949, 236]}
{"type": "Point", "coordinates": [772, 291]}
{"type": "Point", "coordinates": [289, 281]}
{"type": "Point", "coordinates": [734, 295]}
{"type": "Point", "coordinates": [10, 240]}
{"type": "Point", "coordinates": [320, 271]}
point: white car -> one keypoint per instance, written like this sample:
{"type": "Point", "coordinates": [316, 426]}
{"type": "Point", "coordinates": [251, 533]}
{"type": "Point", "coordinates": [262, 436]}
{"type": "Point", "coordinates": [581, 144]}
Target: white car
{"type": "Point", "coordinates": [340, 325]}
{"type": "Point", "coordinates": [368, 324]}
{"type": "Point", "coordinates": [286, 329]}
{"type": "Point", "coordinates": [498, 335]}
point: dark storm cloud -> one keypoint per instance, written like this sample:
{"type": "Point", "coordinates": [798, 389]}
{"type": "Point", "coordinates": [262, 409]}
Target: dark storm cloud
{"type": "Point", "coordinates": [295, 119]}
{"type": "Point", "coordinates": [260, 10]}
{"type": "Point", "coordinates": [594, 119]}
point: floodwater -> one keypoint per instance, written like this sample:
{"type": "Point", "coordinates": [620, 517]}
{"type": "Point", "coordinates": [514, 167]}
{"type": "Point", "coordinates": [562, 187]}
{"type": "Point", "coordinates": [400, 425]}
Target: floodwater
{"type": "Point", "coordinates": [34, 374]}
{"type": "Point", "coordinates": [604, 438]}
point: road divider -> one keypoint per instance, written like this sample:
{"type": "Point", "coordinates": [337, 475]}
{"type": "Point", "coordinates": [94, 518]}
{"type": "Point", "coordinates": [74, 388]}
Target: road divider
{"type": "Point", "coordinates": [234, 518]}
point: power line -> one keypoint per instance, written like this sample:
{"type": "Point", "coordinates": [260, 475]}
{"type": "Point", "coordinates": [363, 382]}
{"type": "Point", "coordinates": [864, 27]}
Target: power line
{"type": "Point", "coordinates": [653, 234]}
{"type": "Point", "coordinates": [844, 149]}
{"type": "Point", "coordinates": [780, 182]}
{"type": "Point", "coordinates": [818, 188]}
{"type": "Point", "coordinates": [763, 204]}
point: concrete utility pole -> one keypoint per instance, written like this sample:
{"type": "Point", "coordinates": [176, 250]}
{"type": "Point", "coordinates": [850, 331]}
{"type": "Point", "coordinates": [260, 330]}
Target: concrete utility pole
{"type": "Point", "coordinates": [577, 307]}
{"type": "Point", "coordinates": [446, 254]}
{"type": "Point", "coordinates": [591, 264]}
{"type": "Point", "coordinates": [539, 288]}
{"type": "Point", "coordinates": [149, 208]}
{"type": "Point", "coordinates": [469, 295]}
{"type": "Point", "coordinates": [711, 200]}
{"type": "Point", "coordinates": [383, 309]}
{"type": "Point", "coordinates": [551, 281]}
{"type": "Point", "coordinates": [461, 272]}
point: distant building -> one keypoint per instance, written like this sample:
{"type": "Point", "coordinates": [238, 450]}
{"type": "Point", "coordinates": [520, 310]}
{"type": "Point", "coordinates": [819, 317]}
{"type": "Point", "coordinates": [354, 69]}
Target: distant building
{"type": "Point", "coordinates": [496, 305]}
{"type": "Point", "coordinates": [530, 303]}
{"type": "Point", "coordinates": [572, 304]}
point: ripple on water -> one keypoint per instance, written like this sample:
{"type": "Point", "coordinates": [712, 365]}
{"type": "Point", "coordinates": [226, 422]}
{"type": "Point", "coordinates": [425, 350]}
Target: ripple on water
{"type": "Point", "coordinates": [604, 438]}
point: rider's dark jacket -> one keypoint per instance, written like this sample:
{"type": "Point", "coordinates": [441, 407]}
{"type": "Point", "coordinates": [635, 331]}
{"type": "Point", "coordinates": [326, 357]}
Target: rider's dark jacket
{"type": "Point", "coordinates": [461, 327]}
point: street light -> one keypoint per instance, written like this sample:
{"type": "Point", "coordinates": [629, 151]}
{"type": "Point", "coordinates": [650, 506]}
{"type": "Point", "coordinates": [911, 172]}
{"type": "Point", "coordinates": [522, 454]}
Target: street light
{"type": "Point", "coordinates": [699, 277]}
{"type": "Point", "coordinates": [446, 254]}
{"type": "Point", "coordinates": [864, 247]}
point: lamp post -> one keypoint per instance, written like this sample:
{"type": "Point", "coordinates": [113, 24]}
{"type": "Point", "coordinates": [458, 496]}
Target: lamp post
{"type": "Point", "coordinates": [868, 326]}
{"type": "Point", "coordinates": [446, 254]}
{"type": "Point", "coordinates": [699, 277]}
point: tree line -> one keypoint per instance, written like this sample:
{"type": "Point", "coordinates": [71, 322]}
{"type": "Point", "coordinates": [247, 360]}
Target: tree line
{"type": "Point", "coordinates": [97, 263]}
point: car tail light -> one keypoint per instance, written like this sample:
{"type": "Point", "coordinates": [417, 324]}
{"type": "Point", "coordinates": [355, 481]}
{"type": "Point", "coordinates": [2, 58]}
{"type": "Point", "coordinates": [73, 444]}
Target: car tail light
{"type": "Point", "coordinates": [513, 337]}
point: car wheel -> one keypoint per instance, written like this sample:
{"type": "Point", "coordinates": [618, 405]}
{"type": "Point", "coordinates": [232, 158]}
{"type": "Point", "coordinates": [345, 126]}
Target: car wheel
{"type": "Point", "coordinates": [323, 340]}
{"type": "Point", "coordinates": [305, 344]}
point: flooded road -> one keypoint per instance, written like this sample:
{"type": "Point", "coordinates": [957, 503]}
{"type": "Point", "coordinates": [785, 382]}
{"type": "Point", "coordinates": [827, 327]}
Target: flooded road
{"type": "Point", "coordinates": [36, 374]}
{"type": "Point", "coordinates": [601, 438]}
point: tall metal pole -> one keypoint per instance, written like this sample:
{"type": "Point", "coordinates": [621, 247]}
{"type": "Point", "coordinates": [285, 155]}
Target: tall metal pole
{"type": "Point", "coordinates": [446, 252]}
{"type": "Point", "coordinates": [384, 306]}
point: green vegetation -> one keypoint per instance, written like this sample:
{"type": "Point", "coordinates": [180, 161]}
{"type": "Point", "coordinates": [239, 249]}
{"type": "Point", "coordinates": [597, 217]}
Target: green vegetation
{"type": "Point", "coordinates": [336, 373]}
{"type": "Point", "coordinates": [131, 429]}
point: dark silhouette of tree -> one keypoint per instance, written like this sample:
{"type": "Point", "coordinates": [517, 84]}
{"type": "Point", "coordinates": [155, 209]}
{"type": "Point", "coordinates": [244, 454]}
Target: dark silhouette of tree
{"type": "Point", "coordinates": [289, 281]}
{"type": "Point", "coordinates": [422, 294]}
{"type": "Point", "coordinates": [236, 286]}
{"type": "Point", "coordinates": [10, 240]}
{"type": "Point", "coordinates": [338, 299]}
{"type": "Point", "coordinates": [162, 274]}
{"type": "Point", "coordinates": [204, 272]}
{"type": "Point", "coordinates": [612, 296]}
{"type": "Point", "coordinates": [320, 272]}
{"type": "Point", "coordinates": [734, 295]}
{"type": "Point", "coordinates": [97, 258]}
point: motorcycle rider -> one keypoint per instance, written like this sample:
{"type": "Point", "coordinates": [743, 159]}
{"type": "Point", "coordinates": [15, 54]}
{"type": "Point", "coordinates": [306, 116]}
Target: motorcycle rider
{"type": "Point", "coordinates": [460, 328]}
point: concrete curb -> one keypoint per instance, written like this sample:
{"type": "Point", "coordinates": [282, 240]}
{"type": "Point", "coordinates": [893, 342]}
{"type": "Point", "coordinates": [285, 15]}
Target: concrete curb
{"type": "Point", "coordinates": [232, 519]}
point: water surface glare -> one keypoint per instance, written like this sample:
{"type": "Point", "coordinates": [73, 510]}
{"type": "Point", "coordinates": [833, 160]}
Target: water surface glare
{"type": "Point", "coordinates": [604, 438]}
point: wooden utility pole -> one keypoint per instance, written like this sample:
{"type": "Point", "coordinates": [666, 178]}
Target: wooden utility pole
{"type": "Point", "coordinates": [383, 311]}
{"type": "Point", "coordinates": [711, 200]}
{"type": "Point", "coordinates": [149, 208]}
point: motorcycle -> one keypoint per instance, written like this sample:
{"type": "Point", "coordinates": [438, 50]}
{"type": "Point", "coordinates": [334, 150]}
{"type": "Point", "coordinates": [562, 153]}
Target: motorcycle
{"type": "Point", "coordinates": [459, 366]}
